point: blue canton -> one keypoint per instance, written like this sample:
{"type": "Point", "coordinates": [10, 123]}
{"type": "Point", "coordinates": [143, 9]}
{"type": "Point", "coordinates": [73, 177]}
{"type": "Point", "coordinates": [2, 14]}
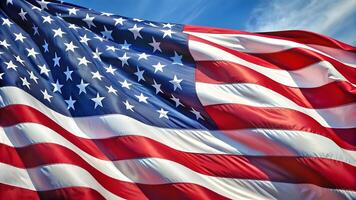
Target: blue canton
{"type": "Point", "coordinates": [81, 63]}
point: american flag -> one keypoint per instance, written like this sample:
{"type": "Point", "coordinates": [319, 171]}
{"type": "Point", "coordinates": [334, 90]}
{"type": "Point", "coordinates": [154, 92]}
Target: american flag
{"type": "Point", "coordinates": [98, 106]}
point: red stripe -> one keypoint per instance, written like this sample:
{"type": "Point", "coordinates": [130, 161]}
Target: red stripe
{"type": "Point", "coordinates": [318, 171]}
{"type": "Point", "coordinates": [14, 114]}
{"type": "Point", "coordinates": [179, 191]}
{"type": "Point", "coordinates": [307, 37]}
{"type": "Point", "coordinates": [297, 58]}
{"type": "Point", "coordinates": [14, 193]}
{"type": "Point", "coordinates": [154, 192]}
{"type": "Point", "coordinates": [304, 37]}
{"type": "Point", "coordinates": [45, 154]}
{"type": "Point", "coordinates": [348, 72]}
{"type": "Point", "coordinates": [330, 95]}
{"type": "Point", "coordinates": [236, 116]}
{"type": "Point", "coordinates": [273, 168]}
{"type": "Point", "coordinates": [71, 193]}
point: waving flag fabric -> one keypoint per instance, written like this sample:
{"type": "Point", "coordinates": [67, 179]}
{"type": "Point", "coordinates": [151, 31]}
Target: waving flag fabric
{"type": "Point", "coordinates": [99, 106]}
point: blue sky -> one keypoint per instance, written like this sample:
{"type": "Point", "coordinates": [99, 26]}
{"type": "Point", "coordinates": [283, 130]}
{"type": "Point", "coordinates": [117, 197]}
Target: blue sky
{"type": "Point", "coordinates": [333, 18]}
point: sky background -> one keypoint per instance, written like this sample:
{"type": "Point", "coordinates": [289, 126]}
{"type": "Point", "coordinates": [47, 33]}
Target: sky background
{"type": "Point", "coordinates": [335, 18]}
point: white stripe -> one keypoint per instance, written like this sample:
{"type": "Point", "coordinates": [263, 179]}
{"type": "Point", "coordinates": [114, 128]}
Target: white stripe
{"type": "Point", "coordinates": [259, 96]}
{"type": "Point", "coordinates": [311, 76]}
{"type": "Point", "coordinates": [158, 171]}
{"type": "Point", "coordinates": [51, 177]}
{"type": "Point", "coordinates": [27, 134]}
{"type": "Point", "coordinates": [260, 44]}
{"type": "Point", "coordinates": [194, 141]}
{"type": "Point", "coordinates": [15, 177]}
{"type": "Point", "coordinates": [285, 143]}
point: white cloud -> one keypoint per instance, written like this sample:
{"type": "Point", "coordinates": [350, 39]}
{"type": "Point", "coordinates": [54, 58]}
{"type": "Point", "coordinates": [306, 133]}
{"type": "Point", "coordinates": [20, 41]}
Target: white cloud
{"type": "Point", "coordinates": [329, 17]}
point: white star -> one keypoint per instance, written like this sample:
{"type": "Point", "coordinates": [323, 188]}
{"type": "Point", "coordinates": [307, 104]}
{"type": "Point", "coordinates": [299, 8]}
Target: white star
{"type": "Point", "coordinates": [70, 103]}
{"type": "Point", "coordinates": [31, 52]}
{"type": "Point", "coordinates": [98, 100]}
{"type": "Point", "coordinates": [124, 59]}
{"type": "Point", "coordinates": [177, 59]}
{"type": "Point", "coordinates": [89, 21]}
{"type": "Point", "coordinates": [168, 25]}
{"type": "Point", "coordinates": [73, 26]}
{"type": "Point", "coordinates": [157, 87]}
{"type": "Point", "coordinates": [1, 74]}
{"type": "Point", "coordinates": [68, 74]}
{"type": "Point", "coordinates": [107, 34]}
{"type": "Point", "coordinates": [44, 70]}
{"type": "Point", "coordinates": [119, 21]}
{"type": "Point", "coordinates": [197, 114]}
{"type": "Point", "coordinates": [176, 100]}
{"type": "Point", "coordinates": [155, 45]}
{"type": "Point", "coordinates": [35, 8]}
{"type": "Point", "coordinates": [136, 31]}
{"type": "Point", "coordinates": [58, 32]}
{"type": "Point", "coordinates": [158, 67]}
{"type": "Point", "coordinates": [59, 15]}
{"type": "Point", "coordinates": [6, 21]}
{"type": "Point", "coordinates": [162, 113]}
{"type": "Point", "coordinates": [9, 2]}
{"type": "Point", "coordinates": [57, 87]}
{"type": "Point", "coordinates": [96, 75]}
{"type": "Point", "coordinates": [142, 98]}
{"type": "Point", "coordinates": [56, 60]}
{"type": "Point", "coordinates": [137, 20]}
{"type": "Point", "coordinates": [46, 95]}
{"type": "Point", "coordinates": [45, 46]}
{"type": "Point", "coordinates": [25, 82]}
{"type": "Point", "coordinates": [72, 11]}
{"type": "Point", "coordinates": [128, 105]}
{"type": "Point", "coordinates": [5, 44]}
{"type": "Point", "coordinates": [143, 56]}
{"type": "Point", "coordinates": [110, 70]}
{"type": "Point", "coordinates": [11, 65]}
{"type": "Point", "coordinates": [97, 54]}
{"type": "Point", "coordinates": [70, 46]}
{"type": "Point", "coordinates": [84, 39]}
{"type": "Point", "coordinates": [83, 61]}
{"type": "Point", "coordinates": [167, 32]}
{"type": "Point", "coordinates": [176, 82]}
{"type": "Point", "coordinates": [18, 59]}
{"type": "Point", "coordinates": [47, 19]}
{"type": "Point", "coordinates": [23, 15]}
{"type": "Point", "coordinates": [35, 30]}
{"type": "Point", "coordinates": [125, 84]}
{"type": "Point", "coordinates": [152, 24]}
{"type": "Point", "coordinates": [82, 86]}
{"type": "Point", "coordinates": [101, 39]}
{"type": "Point", "coordinates": [32, 76]}
{"type": "Point", "coordinates": [111, 48]}
{"type": "Point", "coordinates": [111, 89]}
{"type": "Point", "coordinates": [106, 14]}
{"type": "Point", "coordinates": [125, 46]}
{"type": "Point", "coordinates": [43, 4]}
{"type": "Point", "coordinates": [139, 74]}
